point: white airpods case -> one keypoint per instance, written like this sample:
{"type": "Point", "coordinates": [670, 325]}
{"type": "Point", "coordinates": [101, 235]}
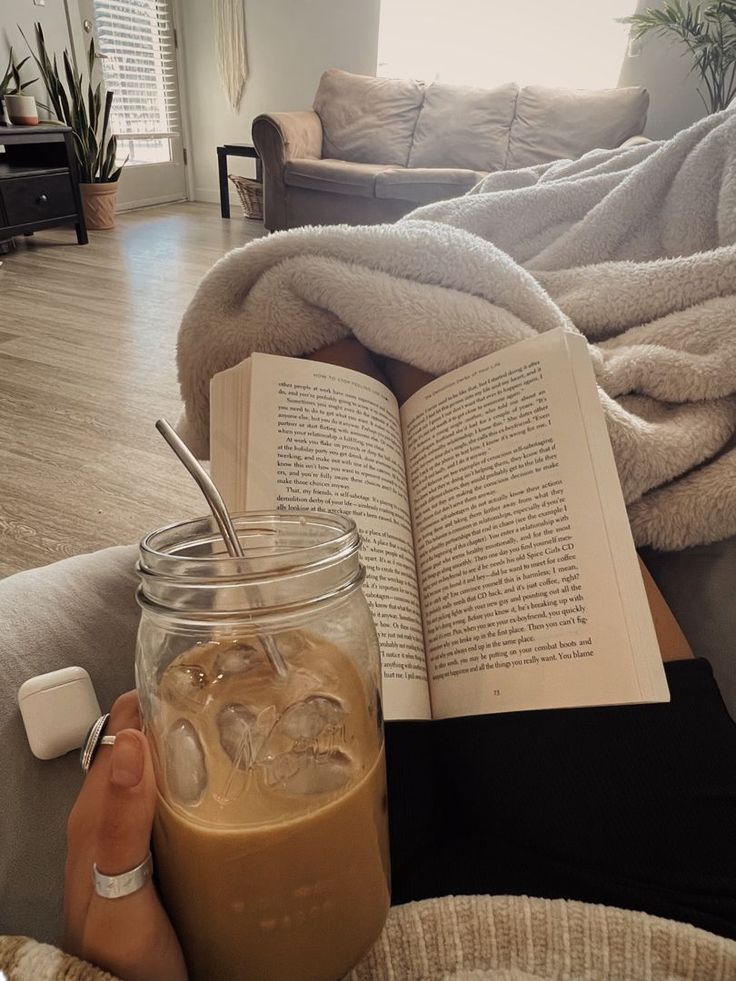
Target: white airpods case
{"type": "Point", "coordinates": [57, 709]}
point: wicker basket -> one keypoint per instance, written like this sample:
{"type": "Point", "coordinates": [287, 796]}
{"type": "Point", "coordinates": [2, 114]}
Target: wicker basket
{"type": "Point", "coordinates": [250, 193]}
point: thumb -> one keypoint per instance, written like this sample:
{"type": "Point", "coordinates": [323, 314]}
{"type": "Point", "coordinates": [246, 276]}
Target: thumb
{"type": "Point", "coordinates": [124, 831]}
{"type": "Point", "coordinates": [131, 937]}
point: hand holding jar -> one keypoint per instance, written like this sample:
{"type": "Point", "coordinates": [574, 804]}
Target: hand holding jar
{"type": "Point", "coordinates": [270, 836]}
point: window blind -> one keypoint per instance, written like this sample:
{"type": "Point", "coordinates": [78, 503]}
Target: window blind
{"type": "Point", "coordinates": [136, 41]}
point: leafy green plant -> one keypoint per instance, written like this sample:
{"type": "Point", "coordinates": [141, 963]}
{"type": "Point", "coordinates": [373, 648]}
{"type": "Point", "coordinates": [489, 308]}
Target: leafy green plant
{"type": "Point", "coordinates": [84, 108]}
{"type": "Point", "coordinates": [10, 82]}
{"type": "Point", "coordinates": [707, 31]}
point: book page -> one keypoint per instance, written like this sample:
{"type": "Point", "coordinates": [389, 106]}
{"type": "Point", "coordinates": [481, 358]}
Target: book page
{"type": "Point", "coordinates": [520, 593]}
{"type": "Point", "coordinates": [325, 438]}
{"type": "Point", "coordinates": [646, 655]}
{"type": "Point", "coordinates": [229, 414]}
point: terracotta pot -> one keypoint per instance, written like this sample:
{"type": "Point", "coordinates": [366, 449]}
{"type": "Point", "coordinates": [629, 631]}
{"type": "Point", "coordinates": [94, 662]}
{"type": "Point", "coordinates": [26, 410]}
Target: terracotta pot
{"type": "Point", "coordinates": [22, 110]}
{"type": "Point", "coordinates": [98, 201]}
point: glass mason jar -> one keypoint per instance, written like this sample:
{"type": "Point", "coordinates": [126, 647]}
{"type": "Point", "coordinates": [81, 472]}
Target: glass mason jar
{"type": "Point", "coordinates": [259, 683]}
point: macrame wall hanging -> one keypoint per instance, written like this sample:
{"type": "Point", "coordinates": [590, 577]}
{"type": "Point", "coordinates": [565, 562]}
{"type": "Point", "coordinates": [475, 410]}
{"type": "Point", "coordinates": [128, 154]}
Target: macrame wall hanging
{"type": "Point", "coordinates": [232, 61]}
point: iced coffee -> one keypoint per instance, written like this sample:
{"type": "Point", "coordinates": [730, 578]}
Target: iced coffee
{"type": "Point", "coordinates": [271, 837]}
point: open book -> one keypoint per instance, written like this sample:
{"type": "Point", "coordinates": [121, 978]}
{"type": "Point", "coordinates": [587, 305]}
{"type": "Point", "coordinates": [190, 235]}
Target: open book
{"type": "Point", "coordinates": [501, 570]}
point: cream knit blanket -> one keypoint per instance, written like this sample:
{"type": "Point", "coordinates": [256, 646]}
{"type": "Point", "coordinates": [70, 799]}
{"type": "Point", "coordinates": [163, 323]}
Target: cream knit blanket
{"type": "Point", "coordinates": [635, 248]}
{"type": "Point", "coordinates": [485, 938]}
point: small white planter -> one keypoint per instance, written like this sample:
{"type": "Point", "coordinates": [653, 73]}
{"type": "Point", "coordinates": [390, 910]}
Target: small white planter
{"type": "Point", "coordinates": [22, 110]}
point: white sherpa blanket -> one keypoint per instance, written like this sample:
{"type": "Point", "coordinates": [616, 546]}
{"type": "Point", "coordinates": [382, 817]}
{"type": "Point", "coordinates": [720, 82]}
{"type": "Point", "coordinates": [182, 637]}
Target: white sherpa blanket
{"type": "Point", "coordinates": [634, 248]}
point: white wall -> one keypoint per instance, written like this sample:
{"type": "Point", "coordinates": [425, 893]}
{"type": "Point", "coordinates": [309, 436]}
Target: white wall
{"type": "Point", "coordinates": [53, 18]}
{"type": "Point", "coordinates": [290, 44]}
{"type": "Point", "coordinates": [660, 67]}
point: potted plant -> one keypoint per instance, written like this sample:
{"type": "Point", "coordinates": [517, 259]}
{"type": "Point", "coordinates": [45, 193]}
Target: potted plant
{"type": "Point", "coordinates": [708, 32]}
{"type": "Point", "coordinates": [21, 109]}
{"type": "Point", "coordinates": [86, 110]}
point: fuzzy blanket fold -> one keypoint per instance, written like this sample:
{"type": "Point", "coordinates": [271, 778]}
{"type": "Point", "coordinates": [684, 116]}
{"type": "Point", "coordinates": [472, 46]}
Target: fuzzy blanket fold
{"type": "Point", "coordinates": [634, 248]}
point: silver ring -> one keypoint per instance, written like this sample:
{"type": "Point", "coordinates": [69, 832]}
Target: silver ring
{"type": "Point", "coordinates": [93, 741]}
{"type": "Point", "coordinates": [117, 886]}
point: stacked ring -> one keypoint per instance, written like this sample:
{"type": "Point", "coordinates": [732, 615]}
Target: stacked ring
{"type": "Point", "coordinates": [93, 740]}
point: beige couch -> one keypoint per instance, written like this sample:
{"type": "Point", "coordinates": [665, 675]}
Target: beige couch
{"type": "Point", "coordinates": [374, 149]}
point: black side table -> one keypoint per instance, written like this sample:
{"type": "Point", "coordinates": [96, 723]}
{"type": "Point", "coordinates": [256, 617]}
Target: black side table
{"type": "Point", "coordinates": [38, 181]}
{"type": "Point", "coordinates": [234, 150]}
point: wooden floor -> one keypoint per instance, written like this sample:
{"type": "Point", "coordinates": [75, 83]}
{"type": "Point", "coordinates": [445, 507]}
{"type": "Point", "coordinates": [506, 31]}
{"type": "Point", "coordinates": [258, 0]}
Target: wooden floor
{"type": "Point", "coordinates": [87, 364]}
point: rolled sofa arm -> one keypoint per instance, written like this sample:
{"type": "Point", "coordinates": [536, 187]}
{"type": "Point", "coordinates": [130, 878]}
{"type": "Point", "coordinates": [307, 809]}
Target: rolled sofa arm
{"type": "Point", "coordinates": [279, 137]}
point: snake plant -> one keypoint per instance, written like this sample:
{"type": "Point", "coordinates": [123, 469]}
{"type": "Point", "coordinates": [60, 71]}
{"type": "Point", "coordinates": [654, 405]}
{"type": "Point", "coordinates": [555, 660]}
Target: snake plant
{"type": "Point", "coordinates": [10, 80]}
{"type": "Point", "coordinates": [84, 108]}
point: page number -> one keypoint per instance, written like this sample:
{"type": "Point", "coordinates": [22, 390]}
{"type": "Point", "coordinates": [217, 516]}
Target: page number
{"type": "Point", "coordinates": [496, 691]}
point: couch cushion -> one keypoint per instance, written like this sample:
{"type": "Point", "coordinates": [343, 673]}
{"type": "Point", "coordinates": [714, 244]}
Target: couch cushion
{"type": "Point", "coordinates": [367, 119]}
{"type": "Point", "coordinates": [467, 127]}
{"type": "Point", "coordinates": [424, 184]}
{"type": "Point", "coordinates": [553, 124]}
{"type": "Point", "coordinates": [338, 176]}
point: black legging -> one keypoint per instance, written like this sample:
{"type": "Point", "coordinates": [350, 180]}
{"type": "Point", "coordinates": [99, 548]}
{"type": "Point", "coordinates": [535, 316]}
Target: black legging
{"type": "Point", "coordinates": [631, 806]}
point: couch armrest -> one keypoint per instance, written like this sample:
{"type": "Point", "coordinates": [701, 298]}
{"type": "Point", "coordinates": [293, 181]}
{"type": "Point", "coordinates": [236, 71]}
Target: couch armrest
{"type": "Point", "coordinates": [81, 611]}
{"type": "Point", "coordinates": [279, 137]}
{"type": "Point", "coordinates": [291, 134]}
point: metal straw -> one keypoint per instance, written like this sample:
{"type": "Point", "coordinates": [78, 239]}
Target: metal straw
{"type": "Point", "coordinates": [221, 516]}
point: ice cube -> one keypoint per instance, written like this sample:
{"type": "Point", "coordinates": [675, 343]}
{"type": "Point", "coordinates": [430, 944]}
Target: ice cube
{"type": "Point", "coordinates": [330, 771]}
{"type": "Point", "coordinates": [305, 720]}
{"type": "Point", "coordinates": [238, 659]}
{"type": "Point", "coordinates": [186, 769]}
{"type": "Point", "coordinates": [185, 685]}
{"type": "Point", "coordinates": [291, 642]}
{"type": "Point", "coordinates": [236, 723]}
{"type": "Point", "coordinates": [284, 767]}
{"type": "Point", "coordinates": [309, 772]}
